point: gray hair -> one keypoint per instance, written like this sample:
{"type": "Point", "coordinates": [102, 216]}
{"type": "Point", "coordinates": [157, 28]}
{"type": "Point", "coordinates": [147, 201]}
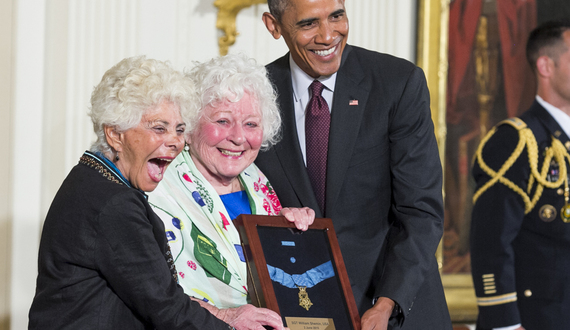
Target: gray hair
{"type": "Point", "coordinates": [130, 88]}
{"type": "Point", "coordinates": [277, 7]}
{"type": "Point", "coordinates": [228, 78]}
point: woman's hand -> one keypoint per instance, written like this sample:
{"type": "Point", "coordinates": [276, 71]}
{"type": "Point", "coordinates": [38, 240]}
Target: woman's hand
{"type": "Point", "coordinates": [246, 317]}
{"type": "Point", "coordinates": [303, 217]}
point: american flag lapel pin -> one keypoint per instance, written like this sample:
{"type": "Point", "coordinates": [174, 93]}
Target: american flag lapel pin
{"type": "Point", "coordinates": [353, 102]}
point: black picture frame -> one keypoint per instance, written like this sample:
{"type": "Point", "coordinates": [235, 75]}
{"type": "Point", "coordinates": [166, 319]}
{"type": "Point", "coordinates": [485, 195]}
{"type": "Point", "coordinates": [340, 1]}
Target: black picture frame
{"type": "Point", "coordinates": [275, 241]}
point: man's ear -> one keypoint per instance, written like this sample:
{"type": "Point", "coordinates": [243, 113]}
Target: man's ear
{"type": "Point", "coordinates": [544, 66]}
{"type": "Point", "coordinates": [113, 138]}
{"type": "Point", "coordinates": [272, 25]}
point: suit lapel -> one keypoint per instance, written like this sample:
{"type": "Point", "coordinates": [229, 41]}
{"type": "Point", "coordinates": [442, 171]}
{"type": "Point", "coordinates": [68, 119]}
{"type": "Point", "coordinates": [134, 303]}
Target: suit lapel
{"type": "Point", "coordinates": [346, 118]}
{"type": "Point", "coordinates": [348, 107]}
{"type": "Point", "coordinates": [288, 150]}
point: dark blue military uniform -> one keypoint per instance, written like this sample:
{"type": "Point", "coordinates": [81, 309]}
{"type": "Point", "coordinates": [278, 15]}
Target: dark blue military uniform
{"type": "Point", "coordinates": [520, 244]}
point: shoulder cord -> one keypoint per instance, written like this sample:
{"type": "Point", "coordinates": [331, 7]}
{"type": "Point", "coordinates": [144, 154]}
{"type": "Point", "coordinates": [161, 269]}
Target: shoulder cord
{"type": "Point", "coordinates": [526, 138]}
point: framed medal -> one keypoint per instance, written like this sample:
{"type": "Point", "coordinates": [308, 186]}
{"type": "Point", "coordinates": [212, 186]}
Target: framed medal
{"type": "Point", "coordinates": [300, 275]}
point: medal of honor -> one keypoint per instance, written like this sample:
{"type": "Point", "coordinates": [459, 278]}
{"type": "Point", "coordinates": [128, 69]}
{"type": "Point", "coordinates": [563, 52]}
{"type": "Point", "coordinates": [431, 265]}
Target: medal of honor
{"type": "Point", "coordinates": [303, 281]}
{"type": "Point", "coordinates": [304, 300]}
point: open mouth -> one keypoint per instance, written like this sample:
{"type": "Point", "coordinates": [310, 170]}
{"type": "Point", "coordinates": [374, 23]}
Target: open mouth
{"type": "Point", "coordinates": [156, 168]}
{"type": "Point", "coordinates": [325, 52]}
{"type": "Point", "coordinates": [231, 153]}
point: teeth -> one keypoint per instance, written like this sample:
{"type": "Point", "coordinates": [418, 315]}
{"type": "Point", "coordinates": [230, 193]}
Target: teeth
{"type": "Point", "coordinates": [165, 160]}
{"type": "Point", "coordinates": [231, 153]}
{"type": "Point", "coordinates": [324, 52]}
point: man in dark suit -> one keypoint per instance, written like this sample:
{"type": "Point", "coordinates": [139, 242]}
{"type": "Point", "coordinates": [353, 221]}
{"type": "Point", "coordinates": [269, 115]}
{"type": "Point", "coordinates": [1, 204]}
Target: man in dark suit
{"type": "Point", "coordinates": [380, 175]}
{"type": "Point", "coordinates": [520, 231]}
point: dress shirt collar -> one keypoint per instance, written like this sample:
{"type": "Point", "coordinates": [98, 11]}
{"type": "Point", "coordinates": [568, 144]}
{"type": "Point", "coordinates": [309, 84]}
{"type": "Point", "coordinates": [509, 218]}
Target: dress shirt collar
{"type": "Point", "coordinates": [301, 81]}
{"type": "Point", "coordinates": [560, 116]}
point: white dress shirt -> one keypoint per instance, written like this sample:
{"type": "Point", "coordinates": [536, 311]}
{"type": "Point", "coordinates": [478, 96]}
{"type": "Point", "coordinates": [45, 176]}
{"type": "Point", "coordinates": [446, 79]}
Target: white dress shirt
{"type": "Point", "coordinates": [560, 116]}
{"type": "Point", "coordinates": [512, 327]}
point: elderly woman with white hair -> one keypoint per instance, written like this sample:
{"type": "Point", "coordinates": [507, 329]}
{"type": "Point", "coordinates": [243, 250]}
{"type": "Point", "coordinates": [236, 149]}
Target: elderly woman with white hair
{"type": "Point", "coordinates": [214, 180]}
{"type": "Point", "coordinates": [104, 262]}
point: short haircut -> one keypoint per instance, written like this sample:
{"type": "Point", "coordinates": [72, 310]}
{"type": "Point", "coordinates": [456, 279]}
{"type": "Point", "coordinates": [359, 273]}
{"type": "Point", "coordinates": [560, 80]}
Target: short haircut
{"type": "Point", "coordinates": [130, 88]}
{"type": "Point", "coordinates": [546, 39]}
{"type": "Point", "coordinates": [277, 7]}
{"type": "Point", "coordinates": [229, 78]}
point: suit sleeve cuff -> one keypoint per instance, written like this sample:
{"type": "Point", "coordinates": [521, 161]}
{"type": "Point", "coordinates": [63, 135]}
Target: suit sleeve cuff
{"type": "Point", "coordinates": [503, 315]}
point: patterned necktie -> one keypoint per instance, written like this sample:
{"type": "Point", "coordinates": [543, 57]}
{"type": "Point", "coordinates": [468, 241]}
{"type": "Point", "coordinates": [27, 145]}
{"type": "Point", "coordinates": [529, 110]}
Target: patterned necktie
{"type": "Point", "coordinates": [317, 124]}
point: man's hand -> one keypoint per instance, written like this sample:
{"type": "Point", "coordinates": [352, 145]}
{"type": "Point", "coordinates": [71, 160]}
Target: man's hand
{"type": "Point", "coordinates": [377, 317]}
{"type": "Point", "coordinates": [303, 217]}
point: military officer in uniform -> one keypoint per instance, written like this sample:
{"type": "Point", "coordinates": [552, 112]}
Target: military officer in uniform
{"type": "Point", "coordinates": [520, 231]}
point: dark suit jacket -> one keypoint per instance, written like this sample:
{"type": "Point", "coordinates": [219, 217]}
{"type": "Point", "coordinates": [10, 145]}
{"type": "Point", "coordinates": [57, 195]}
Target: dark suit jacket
{"type": "Point", "coordinates": [103, 261]}
{"type": "Point", "coordinates": [513, 254]}
{"type": "Point", "coordinates": [384, 181]}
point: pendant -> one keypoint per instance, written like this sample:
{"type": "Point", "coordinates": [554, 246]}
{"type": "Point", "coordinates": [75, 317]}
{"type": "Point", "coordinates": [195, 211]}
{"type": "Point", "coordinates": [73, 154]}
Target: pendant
{"type": "Point", "coordinates": [304, 300]}
{"type": "Point", "coordinates": [565, 213]}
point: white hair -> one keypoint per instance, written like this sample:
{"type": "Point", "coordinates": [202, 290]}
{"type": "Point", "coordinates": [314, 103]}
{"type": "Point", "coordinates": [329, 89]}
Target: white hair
{"type": "Point", "coordinates": [228, 78]}
{"type": "Point", "coordinates": [130, 88]}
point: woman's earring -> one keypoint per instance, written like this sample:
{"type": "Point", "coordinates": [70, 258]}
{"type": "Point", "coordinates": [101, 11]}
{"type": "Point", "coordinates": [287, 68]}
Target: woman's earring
{"type": "Point", "coordinates": [117, 158]}
{"type": "Point", "coordinates": [186, 147]}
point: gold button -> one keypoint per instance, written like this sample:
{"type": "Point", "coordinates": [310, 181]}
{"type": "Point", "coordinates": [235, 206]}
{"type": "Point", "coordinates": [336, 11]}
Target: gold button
{"type": "Point", "coordinates": [560, 191]}
{"type": "Point", "coordinates": [567, 145]}
{"type": "Point", "coordinates": [527, 293]}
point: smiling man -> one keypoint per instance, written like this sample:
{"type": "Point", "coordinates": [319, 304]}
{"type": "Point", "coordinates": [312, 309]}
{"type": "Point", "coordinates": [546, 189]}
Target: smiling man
{"type": "Point", "coordinates": [358, 147]}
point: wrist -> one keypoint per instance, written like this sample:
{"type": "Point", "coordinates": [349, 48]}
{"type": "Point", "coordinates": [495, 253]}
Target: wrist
{"type": "Point", "coordinates": [210, 308]}
{"type": "Point", "coordinates": [387, 305]}
{"type": "Point", "coordinates": [384, 304]}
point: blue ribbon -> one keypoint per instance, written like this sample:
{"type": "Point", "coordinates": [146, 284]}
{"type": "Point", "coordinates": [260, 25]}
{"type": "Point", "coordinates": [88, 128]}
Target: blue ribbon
{"type": "Point", "coordinates": [309, 278]}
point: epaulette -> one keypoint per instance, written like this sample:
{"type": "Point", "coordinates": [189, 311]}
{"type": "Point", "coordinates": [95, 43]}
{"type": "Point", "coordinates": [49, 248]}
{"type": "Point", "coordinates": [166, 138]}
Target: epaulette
{"type": "Point", "coordinates": [515, 122]}
{"type": "Point", "coordinates": [538, 180]}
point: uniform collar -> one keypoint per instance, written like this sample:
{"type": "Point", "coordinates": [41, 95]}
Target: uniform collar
{"type": "Point", "coordinates": [560, 116]}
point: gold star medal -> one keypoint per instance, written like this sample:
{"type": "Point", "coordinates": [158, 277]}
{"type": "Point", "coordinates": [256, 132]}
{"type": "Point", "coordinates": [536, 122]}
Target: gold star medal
{"type": "Point", "coordinates": [304, 300]}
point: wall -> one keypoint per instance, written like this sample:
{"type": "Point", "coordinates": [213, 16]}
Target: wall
{"type": "Point", "coordinates": [5, 150]}
{"type": "Point", "coordinates": [52, 54]}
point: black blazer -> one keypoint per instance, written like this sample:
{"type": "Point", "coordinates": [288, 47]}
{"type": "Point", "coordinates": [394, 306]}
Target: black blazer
{"type": "Point", "coordinates": [513, 254]}
{"type": "Point", "coordinates": [384, 180]}
{"type": "Point", "coordinates": [103, 261]}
